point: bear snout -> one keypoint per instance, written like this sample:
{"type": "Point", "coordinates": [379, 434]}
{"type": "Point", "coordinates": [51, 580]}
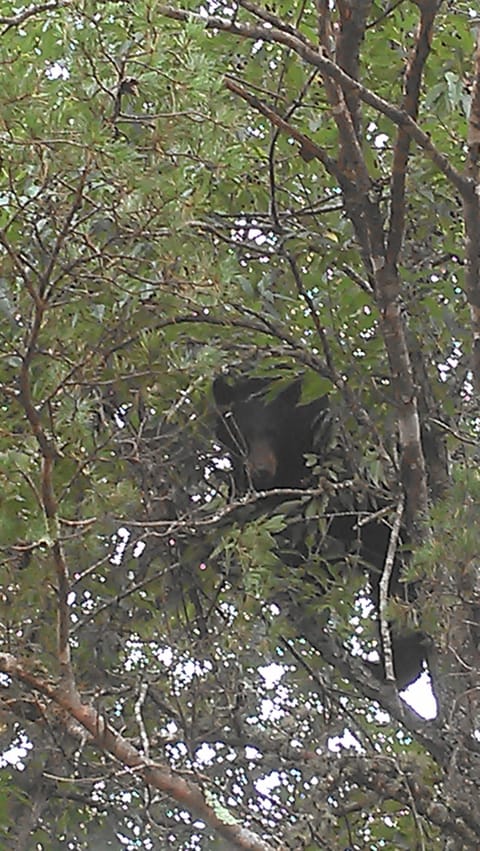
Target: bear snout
{"type": "Point", "coordinates": [262, 464]}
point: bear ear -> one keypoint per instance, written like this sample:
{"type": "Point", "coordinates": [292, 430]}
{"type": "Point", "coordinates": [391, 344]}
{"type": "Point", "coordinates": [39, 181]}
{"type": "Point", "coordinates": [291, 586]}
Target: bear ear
{"type": "Point", "coordinates": [223, 393]}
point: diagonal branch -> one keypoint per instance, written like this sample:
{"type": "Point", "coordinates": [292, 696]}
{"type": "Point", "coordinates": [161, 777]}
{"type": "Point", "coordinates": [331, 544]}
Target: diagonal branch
{"type": "Point", "coordinates": [153, 773]}
{"type": "Point", "coordinates": [16, 20]}
{"type": "Point", "coordinates": [308, 52]}
{"type": "Point", "coordinates": [308, 149]}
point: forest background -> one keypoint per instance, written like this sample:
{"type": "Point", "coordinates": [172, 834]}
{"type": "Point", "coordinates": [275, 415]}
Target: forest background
{"type": "Point", "coordinates": [289, 189]}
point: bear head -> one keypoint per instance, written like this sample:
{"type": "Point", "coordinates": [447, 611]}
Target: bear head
{"type": "Point", "coordinates": [266, 433]}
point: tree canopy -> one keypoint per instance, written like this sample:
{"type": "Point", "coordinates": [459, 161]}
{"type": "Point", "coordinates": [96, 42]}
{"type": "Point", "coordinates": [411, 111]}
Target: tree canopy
{"type": "Point", "coordinates": [288, 190]}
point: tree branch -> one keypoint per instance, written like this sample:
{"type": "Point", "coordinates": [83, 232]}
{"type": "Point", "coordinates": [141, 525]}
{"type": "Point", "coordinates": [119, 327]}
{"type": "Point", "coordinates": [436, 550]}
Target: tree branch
{"type": "Point", "coordinates": [471, 210]}
{"type": "Point", "coordinates": [155, 774]}
{"type": "Point", "coordinates": [386, 638]}
{"type": "Point", "coordinates": [312, 56]}
{"type": "Point", "coordinates": [308, 149]}
{"type": "Point", "coordinates": [412, 87]}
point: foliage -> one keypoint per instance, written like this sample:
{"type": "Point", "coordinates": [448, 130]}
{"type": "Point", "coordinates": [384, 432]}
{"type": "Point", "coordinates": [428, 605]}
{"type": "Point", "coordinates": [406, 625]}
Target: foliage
{"type": "Point", "coordinates": [196, 187]}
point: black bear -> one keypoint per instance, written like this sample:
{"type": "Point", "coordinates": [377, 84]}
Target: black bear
{"type": "Point", "coordinates": [267, 436]}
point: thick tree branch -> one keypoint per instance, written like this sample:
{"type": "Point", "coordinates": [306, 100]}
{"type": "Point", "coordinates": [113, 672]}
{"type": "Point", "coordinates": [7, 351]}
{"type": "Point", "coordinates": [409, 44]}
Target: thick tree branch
{"type": "Point", "coordinates": [471, 210]}
{"type": "Point", "coordinates": [153, 773]}
{"type": "Point", "coordinates": [353, 18]}
{"type": "Point", "coordinates": [412, 88]}
{"type": "Point", "coordinates": [413, 472]}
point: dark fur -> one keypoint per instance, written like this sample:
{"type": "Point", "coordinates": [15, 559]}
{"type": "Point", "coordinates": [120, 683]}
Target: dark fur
{"type": "Point", "coordinates": [267, 437]}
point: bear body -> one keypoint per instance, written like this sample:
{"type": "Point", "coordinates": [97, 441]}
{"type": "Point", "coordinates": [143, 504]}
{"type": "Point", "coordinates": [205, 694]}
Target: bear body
{"type": "Point", "coordinates": [267, 437]}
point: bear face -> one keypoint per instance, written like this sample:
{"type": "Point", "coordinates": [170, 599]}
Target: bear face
{"type": "Point", "coordinates": [267, 436]}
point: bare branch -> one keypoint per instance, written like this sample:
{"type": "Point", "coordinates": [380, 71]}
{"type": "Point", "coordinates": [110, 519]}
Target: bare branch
{"type": "Point", "coordinates": [386, 639]}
